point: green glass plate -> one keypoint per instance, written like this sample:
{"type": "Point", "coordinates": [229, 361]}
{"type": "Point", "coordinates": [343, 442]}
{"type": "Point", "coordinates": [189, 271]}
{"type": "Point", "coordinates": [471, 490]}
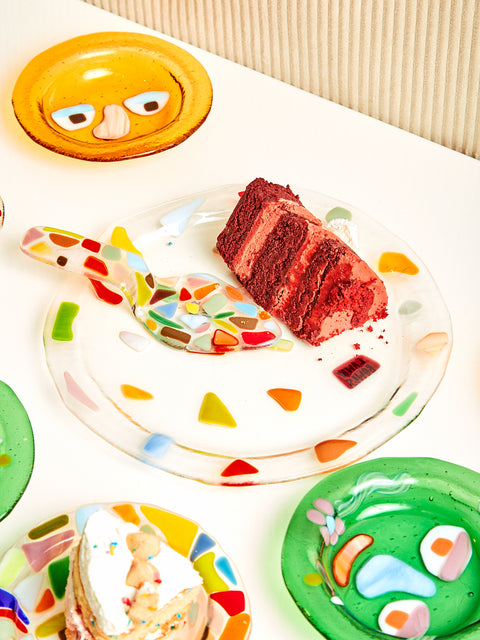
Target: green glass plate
{"type": "Point", "coordinates": [17, 449]}
{"type": "Point", "coordinates": [357, 560]}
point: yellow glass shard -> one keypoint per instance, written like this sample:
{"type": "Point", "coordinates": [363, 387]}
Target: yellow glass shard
{"type": "Point", "coordinates": [213, 411]}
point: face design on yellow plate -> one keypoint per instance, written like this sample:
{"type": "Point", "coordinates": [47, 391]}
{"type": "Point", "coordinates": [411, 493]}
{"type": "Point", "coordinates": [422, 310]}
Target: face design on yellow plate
{"type": "Point", "coordinates": [112, 96]}
{"type": "Point", "coordinates": [124, 98]}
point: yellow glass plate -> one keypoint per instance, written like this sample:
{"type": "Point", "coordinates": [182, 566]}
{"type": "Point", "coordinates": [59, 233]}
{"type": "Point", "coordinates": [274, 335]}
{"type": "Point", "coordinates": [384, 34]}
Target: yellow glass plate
{"type": "Point", "coordinates": [112, 96]}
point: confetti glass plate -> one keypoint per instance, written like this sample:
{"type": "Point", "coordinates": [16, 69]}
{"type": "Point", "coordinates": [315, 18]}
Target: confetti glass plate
{"type": "Point", "coordinates": [35, 570]}
{"type": "Point", "coordinates": [382, 510]}
{"type": "Point", "coordinates": [120, 80]}
{"type": "Point", "coordinates": [17, 449]}
{"type": "Point", "coordinates": [145, 398]}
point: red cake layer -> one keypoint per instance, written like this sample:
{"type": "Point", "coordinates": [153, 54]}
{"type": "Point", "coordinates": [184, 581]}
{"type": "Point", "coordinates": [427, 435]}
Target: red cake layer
{"type": "Point", "coordinates": [295, 268]}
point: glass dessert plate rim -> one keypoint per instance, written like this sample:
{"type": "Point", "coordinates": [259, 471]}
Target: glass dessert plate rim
{"type": "Point", "coordinates": [181, 533]}
{"type": "Point", "coordinates": [19, 446]}
{"type": "Point", "coordinates": [302, 538]}
{"type": "Point", "coordinates": [39, 74]}
{"type": "Point", "coordinates": [207, 466]}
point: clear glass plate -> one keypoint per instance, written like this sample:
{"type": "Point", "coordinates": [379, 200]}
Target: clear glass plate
{"type": "Point", "coordinates": [17, 449]}
{"type": "Point", "coordinates": [95, 370]}
{"type": "Point", "coordinates": [65, 92]}
{"type": "Point", "coordinates": [34, 572]}
{"type": "Point", "coordinates": [381, 511]}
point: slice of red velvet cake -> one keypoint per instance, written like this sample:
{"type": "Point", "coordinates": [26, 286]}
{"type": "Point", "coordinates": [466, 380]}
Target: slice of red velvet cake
{"type": "Point", "coordinates": [295, 268]}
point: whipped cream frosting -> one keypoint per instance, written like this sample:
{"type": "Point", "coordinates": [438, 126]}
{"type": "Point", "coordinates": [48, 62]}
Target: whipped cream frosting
{"type": "Point", "coordinates": [104, 562]}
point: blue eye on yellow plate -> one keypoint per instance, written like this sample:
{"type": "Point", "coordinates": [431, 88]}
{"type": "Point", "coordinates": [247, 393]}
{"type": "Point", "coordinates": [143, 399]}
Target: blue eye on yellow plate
{"type": "Point", "coordinates": [76, 117]}
{"type": "Point", "coordinates": [148, 103]}
{"type": "Point", "coordinates": [87, 98]}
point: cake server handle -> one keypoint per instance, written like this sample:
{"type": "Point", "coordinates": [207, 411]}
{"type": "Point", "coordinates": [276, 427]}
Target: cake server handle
{"type": "Point", "coordinates": [93, 259]}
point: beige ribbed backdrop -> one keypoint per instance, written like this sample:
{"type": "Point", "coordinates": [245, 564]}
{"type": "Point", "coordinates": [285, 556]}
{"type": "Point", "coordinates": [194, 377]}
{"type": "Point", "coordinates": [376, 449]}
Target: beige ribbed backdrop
{"type": "Point", "coordinates": [412, 63]}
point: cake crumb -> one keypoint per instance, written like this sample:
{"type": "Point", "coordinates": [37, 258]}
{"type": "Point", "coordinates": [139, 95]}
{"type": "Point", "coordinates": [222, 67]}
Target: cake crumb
{"type": "Point", "coordinates": [356, 346]}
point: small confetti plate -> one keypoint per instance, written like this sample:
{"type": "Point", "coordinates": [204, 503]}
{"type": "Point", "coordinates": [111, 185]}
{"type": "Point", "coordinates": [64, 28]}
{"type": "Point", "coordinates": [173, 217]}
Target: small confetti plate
{"type": "Point", "coordinates": [17, 449]}
{"type": "Point", "coordinates": [112, 96]}
{"type": "Point", "coordinates": [249, 417]}
{"type": "Point", "coordinates": [388, 547]}
{"type": "Point", "coordinates": [34, 572]}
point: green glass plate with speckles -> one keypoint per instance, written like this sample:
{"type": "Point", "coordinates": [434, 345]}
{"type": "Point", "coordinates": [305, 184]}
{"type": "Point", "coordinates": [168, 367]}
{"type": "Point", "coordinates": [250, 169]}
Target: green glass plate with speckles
{"type": "Point", "coordinates": [394, 502]}
{"type": "Point", "coordinates": [17, 449]}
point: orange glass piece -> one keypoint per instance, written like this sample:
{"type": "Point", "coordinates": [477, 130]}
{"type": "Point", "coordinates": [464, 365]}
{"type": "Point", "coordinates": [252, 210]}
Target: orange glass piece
{"type": "Point", "coordinates": [396, 619]}
{"type": "Point", "coordinates": [343, 561]}
{"type": "Point", "coordinates": [127, 513]}
{"type": "Point", "coordinates": [150, 324]}
{"type": "Point", "coordinates": [237, 627]}
{"type": "Point", "coordinates": [201, 292]}
{"type": "Point", "coordinates": [134, 393]}
{"type": "Point", "coordinates": [46, 601]}
{"type": "Point", "coordinates": [332, 449]}
{"type": "Point", "coordinates": [223, 339]}
{"type": "Point", "coordinates": [90, 77]}
{"type": "Point", "coordinates": [233, 294]}
{"type": "Point", "coordinates": [63, 241]}
{"type": "Point", "coordinates": [433, 342]}
{"type": "Point", "coordinates": [288, 399]}
{"type": "Point", "coordinates": [398, 262]}
{"type": "Point", "coordinates": [442, 546]}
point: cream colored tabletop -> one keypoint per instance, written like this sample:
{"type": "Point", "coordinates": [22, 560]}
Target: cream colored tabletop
{"type": "Point", "coordinates": [424, 193]}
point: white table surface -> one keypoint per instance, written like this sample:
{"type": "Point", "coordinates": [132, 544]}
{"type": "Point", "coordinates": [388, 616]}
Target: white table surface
{"type": "Point", "coordinates": [423, 192]}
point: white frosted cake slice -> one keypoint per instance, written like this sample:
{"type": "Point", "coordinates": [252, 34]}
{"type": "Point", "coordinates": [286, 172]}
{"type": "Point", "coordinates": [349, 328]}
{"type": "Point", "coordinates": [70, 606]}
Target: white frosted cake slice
{"type": "Point", "coordinates": [125, 583]}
